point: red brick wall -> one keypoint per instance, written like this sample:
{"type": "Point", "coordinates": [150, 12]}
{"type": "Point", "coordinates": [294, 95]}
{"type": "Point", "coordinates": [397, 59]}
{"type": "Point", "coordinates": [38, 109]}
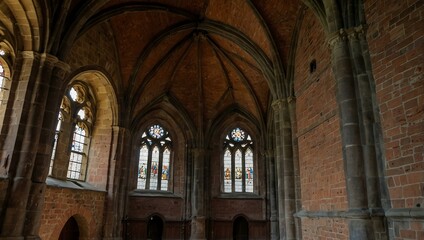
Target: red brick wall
{"type": "Point", "coordinates": [396, 44]}
{"type": "Point", "coordinates": [322, 176]}
{"type": "Point", "coordinates": [62, 203]}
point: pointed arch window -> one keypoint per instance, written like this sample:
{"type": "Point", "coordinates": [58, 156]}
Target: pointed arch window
{"type": "Point", "coordinates": [154, 162]}
{"type": "Point", "coordinates": [4, 81]}
{"type": "Point", "coordinates": [73, 130]}
{"type": "Point", "coordinates": [238, 159]}
{"type": "Point", "coordinates": [82, 114]}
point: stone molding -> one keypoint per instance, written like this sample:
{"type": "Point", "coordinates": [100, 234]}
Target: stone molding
{"type": "Point", "coordinates": [416, 213]}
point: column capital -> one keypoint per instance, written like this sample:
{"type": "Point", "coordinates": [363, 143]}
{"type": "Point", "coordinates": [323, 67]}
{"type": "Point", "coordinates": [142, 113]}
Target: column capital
{"type": "Point", "coordinates": [279, 103]}
{"type": "Point", "coordinates": [344, 34]}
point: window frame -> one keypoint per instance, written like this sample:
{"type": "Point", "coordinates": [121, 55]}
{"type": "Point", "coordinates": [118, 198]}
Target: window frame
{"type": "Point", "coordinates": [162, 143]}
{"type": "Point", "coordinates": [232, 145]}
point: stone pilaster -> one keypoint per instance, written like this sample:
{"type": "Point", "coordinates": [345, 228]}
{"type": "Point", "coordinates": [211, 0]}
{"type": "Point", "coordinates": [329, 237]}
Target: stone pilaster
{"type": "Point", "coordinates": [198, 221]}
{"type": "Point", "coordinates": [117, 183]}
{"type": "Point", "coordinates": [285, 170]}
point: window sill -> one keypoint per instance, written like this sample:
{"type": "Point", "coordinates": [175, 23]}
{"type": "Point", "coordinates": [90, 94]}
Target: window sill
{"type": "Point", "coordinates": [153, 193]}
{"type": "Point", "coordinates": [72, 184]}
{"type": "Point", "coordinates": [252, 196]}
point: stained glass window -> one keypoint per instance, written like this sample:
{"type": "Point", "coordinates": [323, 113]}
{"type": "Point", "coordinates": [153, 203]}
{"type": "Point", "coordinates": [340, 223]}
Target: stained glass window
{"type": "Point", "coordinates": [154, 163]}
{"type": "Point", "coordinates": [238, 167]}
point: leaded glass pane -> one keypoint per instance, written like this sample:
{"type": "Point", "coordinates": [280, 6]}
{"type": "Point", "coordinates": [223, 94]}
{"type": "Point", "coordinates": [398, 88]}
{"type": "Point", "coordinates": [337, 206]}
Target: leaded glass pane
{"type": "Point", "coordinates": [227, 171]}
{"type": "Point", "coordinates": [249, 170]}
{"type": "Point", "coordinates": [237, 134]}
{"type": "Point", "coordinates": [142, 167]}
{"type": "Point", "coordinates": [154, 169]}
{"type": "Point", "coordinates": [74, 169]}
{"type": "Point", "coordinates": [238, 182]}
{"type": "Point", "coordinates": [165, 170]}
{"type": "Point", "coordinates": [79, 139]}
{"type": "Point", "coordinates": [77, 153]}
{"type": "Point", "coordinates": [156, 131]}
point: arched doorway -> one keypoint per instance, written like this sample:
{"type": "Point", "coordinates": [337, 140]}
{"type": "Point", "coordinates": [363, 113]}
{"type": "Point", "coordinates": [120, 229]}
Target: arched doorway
{"type": "Point", "coordinates": [240, 229]}
{"type": "Point", "coordinates": [70, 231]}
{"type": "Point", "coordinates": [154, 228]}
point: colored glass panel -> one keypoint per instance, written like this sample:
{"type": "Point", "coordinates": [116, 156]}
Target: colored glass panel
{"type": "Point", "coordinates": [142, 167]}
{"type": "Point", "coordinates": [154, 169]}
{"type": "Point", "coordinates": [165, 170]}
{"type": "Point", "coordinates": [237, 134]}
{"type": "Point", "coordinates": [238, 180]}
{"type": "Point", "coordinates": [156, 131]}
{"type": "Point", "coordinates": [249, 170]}
{"type": "Point", "coordinates": [227, 171]}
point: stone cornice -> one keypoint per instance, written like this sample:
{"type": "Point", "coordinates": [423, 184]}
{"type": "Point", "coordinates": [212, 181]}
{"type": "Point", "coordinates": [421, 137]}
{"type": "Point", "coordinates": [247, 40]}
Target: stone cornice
{"type": "Point", "coordinates": [402, 213]}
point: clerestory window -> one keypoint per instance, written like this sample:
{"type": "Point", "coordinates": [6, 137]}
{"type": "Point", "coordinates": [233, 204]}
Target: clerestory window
{"type": "Point", "coordinates": [154, 165]}
{"type": "Point", "coordinates": [238, 159]}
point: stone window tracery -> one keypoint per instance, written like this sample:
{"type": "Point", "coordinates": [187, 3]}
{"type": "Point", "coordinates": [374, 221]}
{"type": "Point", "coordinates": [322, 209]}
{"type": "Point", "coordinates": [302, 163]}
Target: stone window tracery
{"type": "Point", "coordinates": [154, 163]}
{"type": "Point", "coordinates": [76, 118]}
{"type": "Point", "coordinates": [238, 168]}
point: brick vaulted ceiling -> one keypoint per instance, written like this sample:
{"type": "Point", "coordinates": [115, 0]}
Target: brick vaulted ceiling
{"type": "Point", "coordinates": [199, 51]}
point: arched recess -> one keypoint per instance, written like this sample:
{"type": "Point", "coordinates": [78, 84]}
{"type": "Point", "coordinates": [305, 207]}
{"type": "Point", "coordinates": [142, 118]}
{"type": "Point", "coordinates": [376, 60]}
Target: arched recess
{"type": "Point", "coordinates": [232, 118]}
{"type": "Point", "coordinates": [83, 218]}
{"type": "Point", "coordinates": [167, 112]}
{"type": "Point", "coordinates": [155, 227]}
{"type": "Point", "coordinates": [70, 231]}
{"type": "Point", "coordinates": [240, 227]}
{"type": "Point", "coordinates": [107, 116]}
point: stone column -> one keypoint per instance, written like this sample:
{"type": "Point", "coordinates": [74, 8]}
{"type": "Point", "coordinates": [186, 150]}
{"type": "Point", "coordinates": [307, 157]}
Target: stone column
{"type": "Point", "coordinates": [360, 226]}
{"type": "Point", "coordinates": [43, 157]}
{"type": "Point", "coordinates": [117, 187]}
{"type": "Point", "coordinates": [198, 221]}
{"type": "Point", "coordinates": [285, 170]}
{"type": "Point", "coordinates": [32, 94]}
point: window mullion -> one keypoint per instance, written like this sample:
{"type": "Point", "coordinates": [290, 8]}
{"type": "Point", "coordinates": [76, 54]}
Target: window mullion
{"type": "Point", "coordinates": [233, 171]}
{"type": "Point", "coordinates": [159, 186]}
{"type": "Point", "coordinates": [243, 170]}
{"type": "Point", "coordinates": [149, 165]}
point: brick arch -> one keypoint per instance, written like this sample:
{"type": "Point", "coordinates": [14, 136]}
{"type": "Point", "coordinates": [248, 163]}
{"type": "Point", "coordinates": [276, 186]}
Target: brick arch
{"type": "Point", "coordinates": [85, 221]}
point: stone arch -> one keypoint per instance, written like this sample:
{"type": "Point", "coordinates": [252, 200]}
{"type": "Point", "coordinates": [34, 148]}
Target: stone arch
{"type": "Point", "coordinates": [85, 222]}
{"type": "Point", "coordinates": [181, 132]}
{"type": "Point", "coordinates": [155, 226]}
{"type": "Point", "coordinates": [214, 142]}
{"type": "Point", "coordinates": [29, 22]}
{"type": "Point", "coordinates": [240, 227]}
{"type": "Point", "coordinates": [107, 116]}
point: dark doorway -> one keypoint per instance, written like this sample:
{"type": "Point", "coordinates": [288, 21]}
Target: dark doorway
{"type": "Point", "coordinates": [70, 231]}
{"type": "Point", "coordinates": [154, 228]}
{"type": "Point", "coordinates": [240, 229]}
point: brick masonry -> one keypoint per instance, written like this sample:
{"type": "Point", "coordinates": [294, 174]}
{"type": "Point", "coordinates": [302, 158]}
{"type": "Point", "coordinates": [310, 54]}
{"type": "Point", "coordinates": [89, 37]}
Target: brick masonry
{"type": "Point", "coordinates": [322, 175]}
{"type": "Point", "coordinates": [396, 44]}
{"type": "Point", "coordinates": [62, 203]}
